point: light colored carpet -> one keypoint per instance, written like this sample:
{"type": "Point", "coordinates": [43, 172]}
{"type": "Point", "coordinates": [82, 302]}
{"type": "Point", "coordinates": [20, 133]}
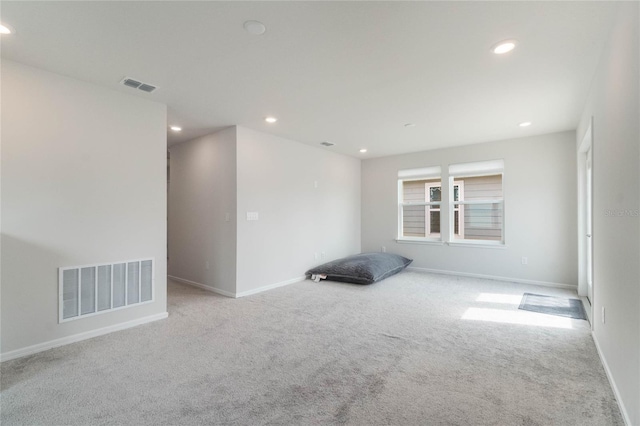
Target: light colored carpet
{"type": "Point", "coordinates": [397, 352]}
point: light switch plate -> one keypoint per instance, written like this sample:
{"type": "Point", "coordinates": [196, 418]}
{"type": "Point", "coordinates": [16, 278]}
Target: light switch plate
{"type": "Point", "coordinates": [252, 215]}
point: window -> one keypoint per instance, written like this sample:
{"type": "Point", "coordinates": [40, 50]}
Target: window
{"type": "Point", "coordinates": [419, 204]}
{"type": "Point", "coordinates": [434, 194]}
{"type": "Point", "coordinates": [471, 201]}
{"type": "Point", "coordinates": [458, 212]}
{"type": "Point", "coordinates": [477, 202]}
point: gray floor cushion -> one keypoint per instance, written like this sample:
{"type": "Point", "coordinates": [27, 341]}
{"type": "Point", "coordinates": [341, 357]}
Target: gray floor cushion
{"type": "Point", "coordinates": [365, 268]}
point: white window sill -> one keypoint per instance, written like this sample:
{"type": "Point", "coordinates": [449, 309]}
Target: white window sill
{"type": "Point", "coordinates": [482, 244]}
{"type": "Point", "coordinates": [416, 241]}
{"type": "Point", "coordinates": [478, 244]}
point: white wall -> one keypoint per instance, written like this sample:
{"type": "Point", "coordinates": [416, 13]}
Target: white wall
{"type": "Point", "coordinates": [83, 182]}
{"type": "Point", "coordinates": [540, 210]}
{"type": "Point", "coordinates": [202, 192]}
{"type": "Point", "coordinates": [614, 105]}
{"type": "Point", "coordinates": [276, 178]}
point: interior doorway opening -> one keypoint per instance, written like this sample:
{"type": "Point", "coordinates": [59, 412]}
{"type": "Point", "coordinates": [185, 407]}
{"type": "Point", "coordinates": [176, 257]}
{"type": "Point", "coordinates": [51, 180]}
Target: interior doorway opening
{"type": "Point", "coordinates": [585, 222]}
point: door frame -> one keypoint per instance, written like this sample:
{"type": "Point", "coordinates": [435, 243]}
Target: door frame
{"type": "Point", "coordinates": [585, 150]}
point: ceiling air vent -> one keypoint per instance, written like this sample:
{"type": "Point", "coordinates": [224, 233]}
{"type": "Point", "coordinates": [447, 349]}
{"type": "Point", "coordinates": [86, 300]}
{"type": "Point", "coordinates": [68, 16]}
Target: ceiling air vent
{"type": "Point", "coordinates": [135, 84]}
{"type": "Point", "coordinates": [327, 143]}
{"type": "Point", "coordinates": [131, 83]}
{"type": "Point", "coordinates": [147, 88]}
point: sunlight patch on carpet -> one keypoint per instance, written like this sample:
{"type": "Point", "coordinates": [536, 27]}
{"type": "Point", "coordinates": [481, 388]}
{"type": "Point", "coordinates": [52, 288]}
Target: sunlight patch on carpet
{"type": "Point", "coordinates": [516, 317]}
{"type": "Point", "coordinates": [507, 299]}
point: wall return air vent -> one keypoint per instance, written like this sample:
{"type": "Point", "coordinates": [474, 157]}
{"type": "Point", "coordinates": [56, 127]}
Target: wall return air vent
{"type": "Point", "coordinates": [137, 84]}
{"type": "Point", "coordinates": [95, 289]}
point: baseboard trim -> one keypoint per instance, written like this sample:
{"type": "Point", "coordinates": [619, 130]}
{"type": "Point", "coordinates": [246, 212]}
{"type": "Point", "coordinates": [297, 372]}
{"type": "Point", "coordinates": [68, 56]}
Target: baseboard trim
{"type": "Point", "coordinates": [495, 277]}
{"type": "Point", "coordinates": [202, 286]}
{"type": "Point", "coordinates": [242, 293]}
{"type": "Point", "coordinates": [612, 382]}
{"type": "Point", "coordinates": [40, 347]}
{"type": "Point", "coordinates": [270, 286]}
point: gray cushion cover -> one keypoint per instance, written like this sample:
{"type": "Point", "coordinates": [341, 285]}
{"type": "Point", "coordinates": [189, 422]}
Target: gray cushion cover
{"type": "Point", "coordinates": [365, 268]}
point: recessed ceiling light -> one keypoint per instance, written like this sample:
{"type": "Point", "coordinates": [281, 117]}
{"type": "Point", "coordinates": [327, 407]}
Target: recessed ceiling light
{"type": "Point", "coordinates": [409, 125]}
{"type": "Point", "coordinates": [254, 27]}
{"type": "Point", "coordinates": [271, 120]}
{"type": "Point", "coordinates": [6, 29]}
{"type": "Point", "coordinates": [525, 124]}
{"type": "Point", "coordinates": [504, 46]}
{"type": "Point", "coordinates": [363, 150]}
{"type": "Point", "coordinates": [176, 128]}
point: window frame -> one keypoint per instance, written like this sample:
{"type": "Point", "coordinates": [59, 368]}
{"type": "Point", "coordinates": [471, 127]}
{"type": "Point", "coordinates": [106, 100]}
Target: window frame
{"type": "Point", "coordinates": [431, 208]}
{"type": "Point", "coordinates": [460, 210]}
{"type": "Point", "coordinates": [427, 215]}
{"type": "Point", "coordinates": [455, 177]}
{"type": "Point", "coordinates": [472, 170]}
{"type": "Point", "coordinates": [427, 173]}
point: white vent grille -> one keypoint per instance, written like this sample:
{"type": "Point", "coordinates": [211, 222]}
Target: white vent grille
{"type": "Point", "coordinates": [94, 289]}
{"type": "Point", "coordinates": [147, 88]}
{"type": "Point", "coordinates": [131, 83]}
{"type": "Point", "coordinates": [136, 84]}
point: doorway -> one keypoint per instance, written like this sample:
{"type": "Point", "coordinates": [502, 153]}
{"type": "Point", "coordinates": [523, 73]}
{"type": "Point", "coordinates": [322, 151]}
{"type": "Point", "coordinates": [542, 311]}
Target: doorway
{"type": "Point", "coordinates": [589, 226]}
{"type": "Point", "coordinates": [585, 219]}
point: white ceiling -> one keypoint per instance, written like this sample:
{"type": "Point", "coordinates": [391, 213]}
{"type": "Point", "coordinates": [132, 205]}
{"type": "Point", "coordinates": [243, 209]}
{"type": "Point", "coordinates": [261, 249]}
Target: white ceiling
{"type": "Point", "coordinates": [352, 73]}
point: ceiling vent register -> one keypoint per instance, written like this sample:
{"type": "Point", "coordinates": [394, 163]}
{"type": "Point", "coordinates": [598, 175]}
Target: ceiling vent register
{"type": "Point", "coordinates": [135, 84]}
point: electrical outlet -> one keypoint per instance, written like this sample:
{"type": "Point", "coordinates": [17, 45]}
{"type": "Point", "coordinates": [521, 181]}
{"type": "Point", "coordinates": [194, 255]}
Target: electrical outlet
{"type": "Point", "coordinates": [525, 261]}
{"type": "Point", "coordinates": [322, 255]}
{"type": "Point", "coordinates": [315, 184]}
{"type": "Point", "coordinates": [252, 215]}
{"type": "Point", "coordinates": [603, 314]}
{"type": "Point", "coordinates": [227, 216]}
{"type": "Point", "coordinates": [383, 249]}
{"type": "Point", "coordinates": [207, 265]}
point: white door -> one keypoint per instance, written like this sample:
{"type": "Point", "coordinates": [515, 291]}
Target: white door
{"type": "Point", "coordinates": [589, 226]}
